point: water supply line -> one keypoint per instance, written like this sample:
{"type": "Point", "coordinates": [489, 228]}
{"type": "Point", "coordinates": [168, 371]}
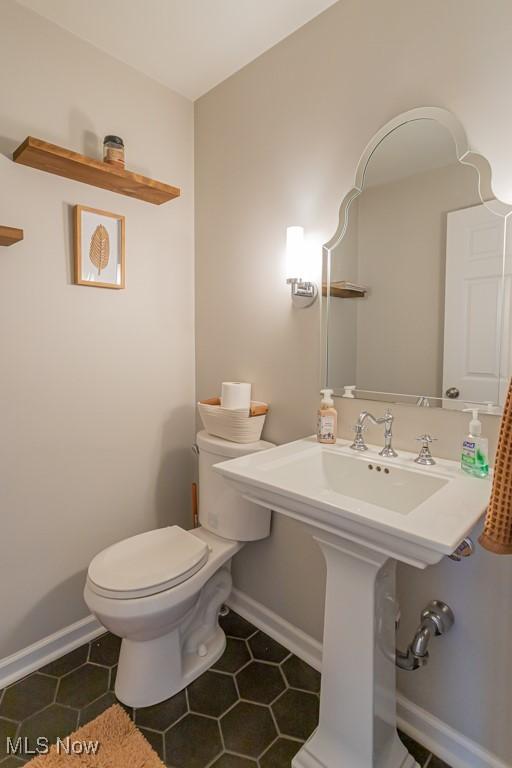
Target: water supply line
{"type": "Point", "coordinates": [436, 619]}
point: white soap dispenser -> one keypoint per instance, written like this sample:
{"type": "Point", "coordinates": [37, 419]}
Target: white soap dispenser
{"type": "Point", "coordinates": [327, 422]}
{"type": "Point", "coordinates": [475, 448]}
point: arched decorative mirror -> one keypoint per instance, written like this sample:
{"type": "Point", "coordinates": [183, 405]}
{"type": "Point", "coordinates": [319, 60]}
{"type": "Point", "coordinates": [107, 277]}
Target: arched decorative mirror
{"type": "Point", "coordinates": [416, 279]}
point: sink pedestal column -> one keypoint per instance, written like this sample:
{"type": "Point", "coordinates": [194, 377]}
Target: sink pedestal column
{"type": "Point", "coordinates": [357, 726]}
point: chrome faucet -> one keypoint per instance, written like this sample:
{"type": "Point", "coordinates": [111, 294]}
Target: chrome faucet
{"type": "Point", "coordinates": [359, 443]}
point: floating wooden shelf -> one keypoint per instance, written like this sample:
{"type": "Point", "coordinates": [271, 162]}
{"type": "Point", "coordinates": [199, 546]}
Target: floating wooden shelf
{"type": "Point", "coordinates": [345, 290]}
{"type": "Point", "coordinates": [10, 235]}
{"type": "Point", "coordinates": [63, 162]}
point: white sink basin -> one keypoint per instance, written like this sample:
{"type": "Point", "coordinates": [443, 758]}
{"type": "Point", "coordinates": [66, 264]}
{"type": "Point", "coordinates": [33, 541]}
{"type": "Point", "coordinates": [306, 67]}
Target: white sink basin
{"type": "Point", "coordinates": [365, 513]}
{"type": "Point", "coordinates": [415, 514]}
{"type": "Point", "coordinates": [336, 477]}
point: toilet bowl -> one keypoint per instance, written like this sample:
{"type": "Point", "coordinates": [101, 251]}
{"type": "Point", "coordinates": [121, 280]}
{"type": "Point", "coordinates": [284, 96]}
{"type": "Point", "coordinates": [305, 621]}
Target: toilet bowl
{"type": "Point", "coordinates": [161, 591]}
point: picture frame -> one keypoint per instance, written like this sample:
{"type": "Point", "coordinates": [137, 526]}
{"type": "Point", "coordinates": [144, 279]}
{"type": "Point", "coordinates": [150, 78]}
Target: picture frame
{"type": "Point", "coordinates": [99, 248]}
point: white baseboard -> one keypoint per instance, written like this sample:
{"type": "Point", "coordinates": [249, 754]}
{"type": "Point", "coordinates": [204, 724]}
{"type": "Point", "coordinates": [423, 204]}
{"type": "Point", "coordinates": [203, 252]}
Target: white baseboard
{"type": "Point", "coordinates": [451, 746]}
{"type": "Point", "coordinates": [22, 663]}
{"type": "Point", "coordinates": [443, 740]}
{"type": "Point", "coordinates": [298, 642]}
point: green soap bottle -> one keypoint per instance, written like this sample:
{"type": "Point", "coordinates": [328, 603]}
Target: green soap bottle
{"type": "Point", "coordinates": [475, 448]}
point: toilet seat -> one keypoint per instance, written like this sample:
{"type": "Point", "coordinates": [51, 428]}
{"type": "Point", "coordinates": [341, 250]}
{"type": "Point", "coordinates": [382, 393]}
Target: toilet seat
{"type": "Point", "coordinates": [147, 564]}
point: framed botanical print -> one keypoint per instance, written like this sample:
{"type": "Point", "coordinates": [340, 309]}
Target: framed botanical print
{"type": "Point", "coordinates": [99, 248]}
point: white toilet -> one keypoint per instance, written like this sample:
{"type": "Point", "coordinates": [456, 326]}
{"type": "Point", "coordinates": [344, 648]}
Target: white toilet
{"type": "Point", "coordinates": [161, 591]}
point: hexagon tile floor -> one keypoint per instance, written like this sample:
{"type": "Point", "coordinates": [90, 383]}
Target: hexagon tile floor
{"type": "Point", "coordinates": [253, 709]}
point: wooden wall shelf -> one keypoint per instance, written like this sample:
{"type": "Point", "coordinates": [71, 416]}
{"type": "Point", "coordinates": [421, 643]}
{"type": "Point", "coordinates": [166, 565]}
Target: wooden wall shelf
{"type": "Point", "coordinates": [63, 162]}
{"type": "Point", "coordinates": [345, 290]}
{"type": "Point", "coordinates": [10, 235]}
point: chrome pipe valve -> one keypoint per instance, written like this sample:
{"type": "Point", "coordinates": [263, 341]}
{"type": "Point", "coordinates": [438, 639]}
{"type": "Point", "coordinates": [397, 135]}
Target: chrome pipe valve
{"type": "Point", "coordinates": [436, 619]}
{"type": "Point", "coordinates": [465, 549]}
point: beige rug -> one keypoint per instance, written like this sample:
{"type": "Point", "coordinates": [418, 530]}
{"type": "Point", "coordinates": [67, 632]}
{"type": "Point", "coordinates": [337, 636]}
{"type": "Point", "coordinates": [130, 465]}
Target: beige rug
{"type": "Point", "coordinates": [113, 737]}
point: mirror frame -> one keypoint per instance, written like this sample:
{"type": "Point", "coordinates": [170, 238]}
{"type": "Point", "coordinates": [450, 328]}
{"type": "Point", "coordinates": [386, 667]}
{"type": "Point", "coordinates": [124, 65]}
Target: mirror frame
{"type": "Point", "coordinates": [465, 155]}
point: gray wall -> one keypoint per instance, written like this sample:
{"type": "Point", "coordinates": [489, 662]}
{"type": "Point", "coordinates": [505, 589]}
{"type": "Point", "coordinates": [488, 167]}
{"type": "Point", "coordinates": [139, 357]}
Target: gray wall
{"type": "Point", "coordinates": [343, 313]}
{"type": "Point", "coordinates": [97, 386]}
{"type": "Point", "coordinates": [278, 144]}
{"type": "Point", "coordinates": [402, 258]}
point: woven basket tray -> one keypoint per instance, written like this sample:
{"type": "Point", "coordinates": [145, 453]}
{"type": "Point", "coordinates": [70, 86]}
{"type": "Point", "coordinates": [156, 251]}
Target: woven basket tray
{"type": "Point", "coordinates": [239, 426]}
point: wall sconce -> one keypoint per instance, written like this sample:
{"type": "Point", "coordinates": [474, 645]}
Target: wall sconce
{"type": "Point", "coordinates": [304, 292]}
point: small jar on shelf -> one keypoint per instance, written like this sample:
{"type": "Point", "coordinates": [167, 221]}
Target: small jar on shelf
{"type": "Point", "coordinates": [113, 150]}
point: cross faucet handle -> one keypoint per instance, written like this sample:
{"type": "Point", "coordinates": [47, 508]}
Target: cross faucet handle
{"type": "Point", "coordinates": [426, 439]}
{"type": "Point", "coordinates": [425, 457]}
{"type": "Point", "coordinates": [359, 443]}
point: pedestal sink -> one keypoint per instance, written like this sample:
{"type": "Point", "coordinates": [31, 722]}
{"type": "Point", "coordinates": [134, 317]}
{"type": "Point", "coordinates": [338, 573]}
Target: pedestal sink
{"type": "Point", "coordinates": [368, 513]}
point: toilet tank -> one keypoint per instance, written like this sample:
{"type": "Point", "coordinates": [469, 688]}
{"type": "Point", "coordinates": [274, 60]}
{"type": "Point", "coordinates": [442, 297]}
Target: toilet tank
{"type": "Point", "coordinates": [221, 509]}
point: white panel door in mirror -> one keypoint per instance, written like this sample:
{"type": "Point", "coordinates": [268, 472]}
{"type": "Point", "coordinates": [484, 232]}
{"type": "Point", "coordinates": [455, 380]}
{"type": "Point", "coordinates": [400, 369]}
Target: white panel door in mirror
{"type": "Point", "coordinates": [473, 301]}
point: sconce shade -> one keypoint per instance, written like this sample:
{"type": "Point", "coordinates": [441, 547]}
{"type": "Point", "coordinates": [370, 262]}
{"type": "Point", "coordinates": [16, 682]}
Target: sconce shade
{"type": "Point", "coordinates": [295, 253]}
{"type": "Point", "coordinates": [303, 291]}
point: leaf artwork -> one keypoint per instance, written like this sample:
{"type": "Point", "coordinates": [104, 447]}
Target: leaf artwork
{"type": "Point", "coordinates": [99, 251]}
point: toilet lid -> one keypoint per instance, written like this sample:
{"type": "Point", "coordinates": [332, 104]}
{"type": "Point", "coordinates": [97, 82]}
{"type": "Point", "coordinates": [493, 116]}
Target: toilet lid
{"type": "Point", "coordinates": [148, 563]}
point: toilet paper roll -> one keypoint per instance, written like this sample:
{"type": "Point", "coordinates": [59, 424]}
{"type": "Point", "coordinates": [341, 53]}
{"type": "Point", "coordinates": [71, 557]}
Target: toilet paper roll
{"type": "Point", "coordinates": [236, 395]}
